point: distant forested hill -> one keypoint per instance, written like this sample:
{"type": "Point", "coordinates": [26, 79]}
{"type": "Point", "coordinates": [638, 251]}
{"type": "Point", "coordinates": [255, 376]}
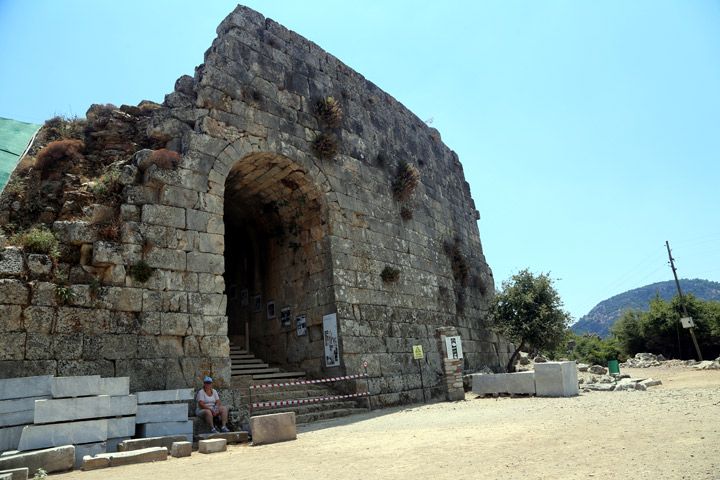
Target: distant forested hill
{"type": "Point", "coordinates": [604, 314]}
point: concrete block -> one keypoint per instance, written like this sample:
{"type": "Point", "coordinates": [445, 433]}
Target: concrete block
{"type": "Point", "coordinates": [10, 437]}
{"type": "Point", "coordinates": [25, 387]}
{"type": "Point", "coordinates": [82, 386]}
{"type": "Point", "coordinates": [112, 443]}
{"type": "Point", "coordinates": [164, 429]}
{"type": "Point", "coordinates": [144, 455]}
{"type": "Point", "coordinates": [140, 443]}
{"type": "Point", "coordinates": [273, 428]}
{"type": "Point", "coordinates": [123, 405]}
{"type": "Point", "coordinates": [181, 449]}
{"type": "Point", "coordinates": [556, 379]}
{"type": "Point", "coordinates": [115, 387]}
{"type": "Point", "coordinates": [121, 427]}
{"type": "Point", "coordinates": [53, 435]}
{"type": "Point", "coordinates": [214, 445]}
{"type": "Point", "coordinates": [16, 473]}
{"type": "Point", "coordinates": [16, 418]}
{"type": "Point", "coordinates": [521, 383]}
{"type": "Point", "coordinates": [160, 396]}
{"type": "Point", "coordinates": [88, 450]}
{"type": "Point", "coordinates": [68, 409]}
{"type": "Point", "coordinates": [95, 463]}
{"type": "Point", "coordinates": [58, 459]}
{"type": "Point", "coordinates": [5, 476]}
{"type": "Point", "coordinates": [18, 405]}
{"type": "Point", "coordinates": [231, 437]}
{"type": "Point", "coordinates": [173, 412]}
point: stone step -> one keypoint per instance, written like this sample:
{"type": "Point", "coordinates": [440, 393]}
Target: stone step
{"type": "Point", "coordinates": [255, 371]}
{"type": "Point", "coordinates": [246, 361]}
{"type": "Point", "coordinates": [231, 437]}
{"type": "Point", "coordinates": [278, 375]}
{"type": "Point", "coordinates": [237, 356]}
{"type": "Point", "coordinates": [248, 366]}
{"type": "Point", "coordinates": [239, 350]}
{"type": "Point", "coordinates": [308, 408]}
{"type": "Point", "coordinates": [327, 415]}
{"type": "Point", "coordinates": [116, 459]}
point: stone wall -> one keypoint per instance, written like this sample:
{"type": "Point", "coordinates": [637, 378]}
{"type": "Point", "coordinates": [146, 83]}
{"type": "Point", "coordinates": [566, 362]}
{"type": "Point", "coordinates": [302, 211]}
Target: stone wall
{"type": "Point", "coordinates": [320, 232]}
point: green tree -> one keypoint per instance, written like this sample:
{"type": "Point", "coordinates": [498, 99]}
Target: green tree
{"type": "Point", "coordinates": [528, 311]}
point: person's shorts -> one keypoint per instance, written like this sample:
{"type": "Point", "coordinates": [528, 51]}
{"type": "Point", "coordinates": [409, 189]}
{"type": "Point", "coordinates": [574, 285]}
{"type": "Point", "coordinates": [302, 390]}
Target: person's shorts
{"type": "Point", "coordinates": [198, 412]}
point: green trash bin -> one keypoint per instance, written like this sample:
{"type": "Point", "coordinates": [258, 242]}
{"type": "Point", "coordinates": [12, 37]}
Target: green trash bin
{"type": "Point", "coordinates": [613, 367]}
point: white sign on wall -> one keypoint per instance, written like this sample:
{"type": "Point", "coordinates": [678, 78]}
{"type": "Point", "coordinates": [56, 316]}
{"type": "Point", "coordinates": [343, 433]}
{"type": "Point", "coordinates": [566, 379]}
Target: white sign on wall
{"type": "Point", "coordinates": [687, 322]}
{"type": "Point", "coordinates": [453, 345]}
{"type": "Point", "coordinates": [332, 344]}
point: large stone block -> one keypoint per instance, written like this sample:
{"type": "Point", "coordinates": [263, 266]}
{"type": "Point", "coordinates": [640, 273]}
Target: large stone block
{"type": "Point", "coordinates": [164, 215]}
{"type": "Point", "coordinates": [10, 318]}
{"type": "Point", "coordinates": [165, 428]}
{"type": "Point", "coordinates": [54, 435]}
{"type": "Point", "coordinates": [213, 445]}
{"type": "Point", "coordinates": [174, 412]}
{"type": "Point", "coordinates": [112, 443]}
{"type": "Point", "coordinates": [16, 473]}
{"type": "Point", "coordinates": [115, 386]}
{"type": "Point", "coordinates": [79, 386]}
{"type": "Point", "coordinates": [181, 449]}
{"type": "Point", "coordinates": [67, 409]}
{"type": "Point", "coordinates": [13, 292]}
{"type": "Point", "coordinates": [512, 383]}
{"type": "Point", "coordinates": [88, 449]}
{"type": "Point", "coordinates": [121, 427]}
{"type": "Point", "coordinates": [12, 262]}
{"type": "Point", "coordinates": [10, 437]}
{"type": "Point", "coordinates": [231, 437]}
{"type": "Point", "coordinates": [25, 387]}
{"type": "Point", "coordinates": [59, 459]}
{"type": "Point", "coordinates": [139, 443]}
{"type": "Point", "coordinates": [273, 428]}
{"type": "Point", "coordinates": [556, 379]}
{"type": "Point", "coordinates": [160, 396]}
{"type": "Point", "coordinates": [152, 454]}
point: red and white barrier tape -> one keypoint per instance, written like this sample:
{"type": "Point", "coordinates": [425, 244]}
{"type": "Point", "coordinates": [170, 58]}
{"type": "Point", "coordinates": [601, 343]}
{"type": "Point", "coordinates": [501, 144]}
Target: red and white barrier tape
{"type": "Point", "coordinates": [302, 401]}
{"type": "Point", "coordinates": [308, 382]}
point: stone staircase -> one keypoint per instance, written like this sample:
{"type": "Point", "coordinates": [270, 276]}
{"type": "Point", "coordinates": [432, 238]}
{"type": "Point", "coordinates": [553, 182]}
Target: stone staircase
{"type": "Point", "coordinates": [249, 370]}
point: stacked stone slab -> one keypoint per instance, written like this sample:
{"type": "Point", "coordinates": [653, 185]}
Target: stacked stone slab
{"type": "Point", "coordinates": [164, 412]}
{"type": "Point", "coordinates": [89, 412]}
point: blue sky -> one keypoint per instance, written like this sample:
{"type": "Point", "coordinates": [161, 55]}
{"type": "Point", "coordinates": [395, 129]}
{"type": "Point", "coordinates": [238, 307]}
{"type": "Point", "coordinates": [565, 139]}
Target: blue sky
{"type": "Point", "coordinates": [589, 131]}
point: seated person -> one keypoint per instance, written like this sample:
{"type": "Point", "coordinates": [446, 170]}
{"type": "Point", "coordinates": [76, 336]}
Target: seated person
{"type": "Point", "coordinates": [209, 406]}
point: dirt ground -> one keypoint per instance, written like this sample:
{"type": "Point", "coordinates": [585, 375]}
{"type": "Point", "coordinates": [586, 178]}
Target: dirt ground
{"type": "Point", "coordinates": [668, 432]}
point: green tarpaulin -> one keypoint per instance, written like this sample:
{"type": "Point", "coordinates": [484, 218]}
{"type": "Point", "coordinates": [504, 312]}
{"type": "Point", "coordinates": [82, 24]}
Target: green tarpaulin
{"type": "Point", "coordinates": [14, 139]}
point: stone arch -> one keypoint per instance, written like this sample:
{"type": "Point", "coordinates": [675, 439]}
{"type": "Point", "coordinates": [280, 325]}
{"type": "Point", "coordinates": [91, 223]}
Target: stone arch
{"type": "Point", "coordinates": [276, 235]}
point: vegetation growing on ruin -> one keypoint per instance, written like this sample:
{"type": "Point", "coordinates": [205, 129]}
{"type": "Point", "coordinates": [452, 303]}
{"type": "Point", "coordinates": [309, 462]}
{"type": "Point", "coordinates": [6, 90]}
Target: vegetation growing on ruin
{"type": "Point", "coordinates": [528, 311]}
{"type": "Point", "coordinates": [329, 112]}
{"type": "Point", "coordinates": [164, 159]}
{"type": "Point", "coordinates": [406, 180]}
{"type": "Point", "coordinates": [50, 158]}
{"type": "Point", "coordinates": [64, 294]}
{"type": "Point", "coordinates": [325, 146]}
{"type": "Point", "coordinates": [111, 231]}
{"type": "Point", "coordinates": [390, 274]}
{"type": "Point", "coordinates": [141, 271]}
{"type": "Point", "coordinates": [37, 240]}
{"type": "Point", "coordinates": [457, 261]}
{"type": "Point", "coordinates": [406, 212]}
{"type": "Point", "coordinates": [107, 188]}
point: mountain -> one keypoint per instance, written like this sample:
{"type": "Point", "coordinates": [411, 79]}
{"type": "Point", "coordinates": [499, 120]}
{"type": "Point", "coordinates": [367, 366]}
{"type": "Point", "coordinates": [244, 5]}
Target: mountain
{"type": "Point", "coordinates": [604, 314]}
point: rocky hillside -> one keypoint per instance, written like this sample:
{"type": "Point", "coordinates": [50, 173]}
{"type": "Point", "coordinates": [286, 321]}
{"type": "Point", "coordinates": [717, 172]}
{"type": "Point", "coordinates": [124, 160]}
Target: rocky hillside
{"type": "Point", "coordinates": [604, 314]}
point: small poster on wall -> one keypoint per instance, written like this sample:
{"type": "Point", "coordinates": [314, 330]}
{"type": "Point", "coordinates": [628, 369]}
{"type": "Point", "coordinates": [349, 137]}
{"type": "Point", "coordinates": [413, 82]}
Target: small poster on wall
{"type": "Point", "coordinates": [244, 297]}
{"type": "Point", "coordinates": [270, 310]}
{"type": "Point", "coordinates": [332, 344]}
{"type": "Point", "coordinates": [301, 325]}
{"type": "Point", "coordinates": [285, 320]}
{"type": "Point", "coordinates": [257, 303]}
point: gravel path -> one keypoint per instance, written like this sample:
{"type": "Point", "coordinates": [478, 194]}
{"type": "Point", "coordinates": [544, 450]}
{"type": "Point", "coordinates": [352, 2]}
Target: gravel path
{"type": "Point", "coordinates": [668, 432]}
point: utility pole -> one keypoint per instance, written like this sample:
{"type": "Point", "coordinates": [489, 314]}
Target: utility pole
{"type": "Point", "coordinates": [682, 300]}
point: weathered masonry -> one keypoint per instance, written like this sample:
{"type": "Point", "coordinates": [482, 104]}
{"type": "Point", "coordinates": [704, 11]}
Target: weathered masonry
{"type": "Point", "coordinates": [285, 205]}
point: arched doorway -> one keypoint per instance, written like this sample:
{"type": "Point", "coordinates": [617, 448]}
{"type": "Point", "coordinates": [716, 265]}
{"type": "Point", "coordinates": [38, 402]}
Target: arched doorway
{"type": "Point", "coordinates": [277, 262]}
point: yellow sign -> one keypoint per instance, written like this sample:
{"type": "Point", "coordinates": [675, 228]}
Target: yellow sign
{"type": "Point", "coordinates": [418, 352]}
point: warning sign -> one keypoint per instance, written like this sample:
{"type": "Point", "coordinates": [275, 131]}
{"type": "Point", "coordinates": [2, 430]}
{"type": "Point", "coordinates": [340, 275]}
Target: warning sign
{"type": "Point", "coordinates": [418, 352]}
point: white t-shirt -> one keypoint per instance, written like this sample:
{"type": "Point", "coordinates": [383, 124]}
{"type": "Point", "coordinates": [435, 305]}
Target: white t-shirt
{"type": "Point", "coordinates": [209, 400]}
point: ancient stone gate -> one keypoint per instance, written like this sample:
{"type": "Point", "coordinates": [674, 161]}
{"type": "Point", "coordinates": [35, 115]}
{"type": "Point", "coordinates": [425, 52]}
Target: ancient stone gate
{"type": "Point", "coordinates": [270, 202]}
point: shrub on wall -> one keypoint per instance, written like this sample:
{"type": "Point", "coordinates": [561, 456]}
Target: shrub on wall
{"type": "Point", "coordinates": [37, 240]}
{"type": "Point", "coordinates": [325, 146]}
{"type": "Point", "coordinates": [406, 181]}
{"type": "Point", "coordinates": [329, 112]}
{"type": "Point", "coordinates": [390, 274]}
{"type": "Point", "coordinates": [141, 271]}
{"type": "Point", "coordinates": [406, 212]}
{"type": "Point", "coordinates": [47, 159]}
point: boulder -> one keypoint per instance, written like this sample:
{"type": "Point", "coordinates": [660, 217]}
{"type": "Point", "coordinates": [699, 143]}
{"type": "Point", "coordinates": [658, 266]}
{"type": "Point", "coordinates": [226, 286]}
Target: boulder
{"type": "Point", "coordinates": [597, 370]}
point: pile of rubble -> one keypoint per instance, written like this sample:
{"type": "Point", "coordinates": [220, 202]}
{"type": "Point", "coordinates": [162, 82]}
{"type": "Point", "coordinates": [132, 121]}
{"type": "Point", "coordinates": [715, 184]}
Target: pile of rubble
{"type": "Point", "coordinates": [644, 360]}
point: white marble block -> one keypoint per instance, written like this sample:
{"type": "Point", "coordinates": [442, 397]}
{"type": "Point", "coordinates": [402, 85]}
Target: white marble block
{"type": "Point", "coordinates": [556, 379]}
